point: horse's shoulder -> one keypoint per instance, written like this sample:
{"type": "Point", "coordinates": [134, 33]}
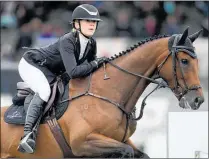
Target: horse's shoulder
{"type": "Point", "coordinates": [78, 86]}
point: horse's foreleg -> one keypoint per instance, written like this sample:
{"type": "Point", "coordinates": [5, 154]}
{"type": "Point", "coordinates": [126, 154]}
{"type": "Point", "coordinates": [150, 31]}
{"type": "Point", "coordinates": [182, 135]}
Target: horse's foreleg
{"type": "Point", "coordinates": [137, 152]}
{"type": "Point", "coordinates": [97, 145]}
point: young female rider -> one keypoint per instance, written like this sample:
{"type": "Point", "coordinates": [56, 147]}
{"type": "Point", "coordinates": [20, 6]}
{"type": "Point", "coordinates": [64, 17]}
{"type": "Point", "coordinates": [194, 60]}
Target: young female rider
{"type": "Point", "coordinates": [73, 54]}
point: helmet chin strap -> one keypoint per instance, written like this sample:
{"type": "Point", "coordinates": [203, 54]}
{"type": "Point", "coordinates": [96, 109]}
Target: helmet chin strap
{"type": "Point", "coordinates": [81, 31]}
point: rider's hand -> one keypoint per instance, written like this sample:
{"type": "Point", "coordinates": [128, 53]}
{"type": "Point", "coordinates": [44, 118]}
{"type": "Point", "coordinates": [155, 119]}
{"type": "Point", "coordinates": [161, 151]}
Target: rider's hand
{"type": "Point", "coordinates": [65, 77]}
{"type": "Point", "coordinates": [100, 61]}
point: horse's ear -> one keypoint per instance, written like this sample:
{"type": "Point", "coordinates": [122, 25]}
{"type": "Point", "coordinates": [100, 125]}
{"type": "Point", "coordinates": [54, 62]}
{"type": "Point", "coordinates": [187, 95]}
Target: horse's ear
{"type": "Point", "coordinates": [194, 36]}
{"type": "Point", "coordinates": [184, 36]}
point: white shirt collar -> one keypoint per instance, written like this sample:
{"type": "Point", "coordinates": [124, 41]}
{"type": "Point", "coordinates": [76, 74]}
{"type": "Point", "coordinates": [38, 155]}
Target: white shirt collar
{"type": "Point", "coordinates": [83, 38]}
{"type": "Point", "coordinates": [83, 43]}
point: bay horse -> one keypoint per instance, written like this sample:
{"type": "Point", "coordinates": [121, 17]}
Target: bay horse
{"type": "Point", "coordinates": [100, 123]}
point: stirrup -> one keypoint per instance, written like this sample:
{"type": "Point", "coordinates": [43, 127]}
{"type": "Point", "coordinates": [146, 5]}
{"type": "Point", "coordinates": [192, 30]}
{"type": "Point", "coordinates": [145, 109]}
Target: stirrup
{"type": "Point", "coordinates": [24, 145]}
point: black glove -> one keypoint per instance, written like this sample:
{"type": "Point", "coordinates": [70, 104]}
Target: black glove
{"type": "Point", "coordinates": [100, 61]}
{"type": "Point", "coordinates": [65, 78]}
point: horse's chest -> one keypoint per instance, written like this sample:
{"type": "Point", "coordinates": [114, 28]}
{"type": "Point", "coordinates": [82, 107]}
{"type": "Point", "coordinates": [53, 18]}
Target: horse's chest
{"type": "Point", "coordinates": [119, 130]}
{"type": "Point", "coordinates": [109, 122]}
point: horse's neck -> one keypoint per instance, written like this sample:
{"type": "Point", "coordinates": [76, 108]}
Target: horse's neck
{"type": "Point", "coordinates": [122, 86]}
{"type": "Point", "coordinates": [149, 56]}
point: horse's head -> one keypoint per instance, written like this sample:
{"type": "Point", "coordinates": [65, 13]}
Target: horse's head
{"type": "Point", "coordinates": [180, 70]}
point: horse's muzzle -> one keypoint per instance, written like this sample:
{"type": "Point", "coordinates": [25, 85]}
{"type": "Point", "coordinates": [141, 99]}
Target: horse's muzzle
{"type": "Point", "coordinates": [191, 100]}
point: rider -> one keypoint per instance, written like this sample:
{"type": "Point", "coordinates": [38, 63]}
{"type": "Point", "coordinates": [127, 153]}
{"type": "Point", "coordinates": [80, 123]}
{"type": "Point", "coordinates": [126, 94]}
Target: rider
{"type": "Point", "coordinates": [73, 54]}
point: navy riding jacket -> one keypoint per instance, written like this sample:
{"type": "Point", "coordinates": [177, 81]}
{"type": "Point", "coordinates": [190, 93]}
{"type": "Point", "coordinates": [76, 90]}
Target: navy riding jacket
{"type": "Point", "coordinates": [63, 56]}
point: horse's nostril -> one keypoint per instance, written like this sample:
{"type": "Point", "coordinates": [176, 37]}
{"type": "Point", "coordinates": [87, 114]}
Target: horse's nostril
{"type": "Point", "coordinates": [198, 101]}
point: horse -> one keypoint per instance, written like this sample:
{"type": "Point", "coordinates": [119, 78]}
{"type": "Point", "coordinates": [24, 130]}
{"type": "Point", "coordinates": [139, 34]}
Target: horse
{"type": "Point", "coordinates": [101, 122]}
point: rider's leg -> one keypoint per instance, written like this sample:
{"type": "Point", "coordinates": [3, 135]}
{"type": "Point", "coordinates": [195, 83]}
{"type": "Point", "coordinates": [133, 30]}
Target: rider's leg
{"type": "Point", "coordinates": [34, 110]}
{"type": "Point", "coordinates": [39, 84]}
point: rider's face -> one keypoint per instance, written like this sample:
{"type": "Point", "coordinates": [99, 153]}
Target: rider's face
{"type": "Point", "coordinates": [88, 27]}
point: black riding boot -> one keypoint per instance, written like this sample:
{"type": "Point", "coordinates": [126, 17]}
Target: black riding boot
{"type": "Point", "coordinates": [35, 108]}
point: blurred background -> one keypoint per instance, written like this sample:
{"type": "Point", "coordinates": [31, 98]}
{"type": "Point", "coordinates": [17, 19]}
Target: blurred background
{"type": "Point", "coordinates": [35, 24]}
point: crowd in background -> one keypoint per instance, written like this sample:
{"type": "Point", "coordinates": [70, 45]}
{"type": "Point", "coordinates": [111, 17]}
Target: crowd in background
{"type": "Point", "coordinates": [27, 23]}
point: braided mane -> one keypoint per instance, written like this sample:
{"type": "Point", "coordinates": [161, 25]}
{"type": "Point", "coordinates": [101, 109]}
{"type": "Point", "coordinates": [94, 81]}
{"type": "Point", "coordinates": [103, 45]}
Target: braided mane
{"type": "Point", "coordinates": [136, 46]}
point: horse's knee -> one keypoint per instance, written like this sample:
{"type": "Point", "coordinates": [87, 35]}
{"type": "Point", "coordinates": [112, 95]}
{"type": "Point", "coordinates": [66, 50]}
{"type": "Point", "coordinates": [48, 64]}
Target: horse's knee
{"type": "Point", "coordinates": [145, 156]}
{"type": "Point", "coordinates": [101, 147]}
{"type": "Point", "coordinates": [76, 152]}
{"type": "Point", "coordinates": [79, 148]}
{"type": "Point", "coordinates": [75, 149]}
{"type": "Point", "coordinates": [128, 151]}
{"type": "Point", "coordinates": [139, 154]}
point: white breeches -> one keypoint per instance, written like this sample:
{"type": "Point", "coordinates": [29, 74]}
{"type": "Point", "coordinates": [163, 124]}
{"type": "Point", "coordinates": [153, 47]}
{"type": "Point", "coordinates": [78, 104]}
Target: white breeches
{"type": "Point", "coordinates": [35, 79]}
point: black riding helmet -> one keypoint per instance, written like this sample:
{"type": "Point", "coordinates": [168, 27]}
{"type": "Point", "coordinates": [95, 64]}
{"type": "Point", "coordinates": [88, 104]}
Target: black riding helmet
{"type": "Point", "coordinates": [85, 12]}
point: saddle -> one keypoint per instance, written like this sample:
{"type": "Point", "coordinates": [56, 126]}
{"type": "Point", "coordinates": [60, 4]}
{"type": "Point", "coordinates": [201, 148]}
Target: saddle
{"type": "Point", "coordinates": [54, 109]}
{"type": "Point", "coordinates": [16, 113]}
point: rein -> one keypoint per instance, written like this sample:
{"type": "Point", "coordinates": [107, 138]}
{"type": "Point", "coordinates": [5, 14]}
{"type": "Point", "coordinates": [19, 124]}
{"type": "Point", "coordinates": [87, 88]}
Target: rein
{"type": "Point", "coordinates": [121, 107]}
{"type": "Point", "coordinates": [173, 52]}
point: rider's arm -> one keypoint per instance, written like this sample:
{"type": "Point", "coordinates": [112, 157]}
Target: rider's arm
{"type": "Point", "coordinates": [67, 51]}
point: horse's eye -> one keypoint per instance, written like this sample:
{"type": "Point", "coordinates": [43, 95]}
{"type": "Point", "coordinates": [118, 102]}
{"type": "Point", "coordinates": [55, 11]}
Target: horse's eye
{"type": "Point", "coordinates": [184, 61]}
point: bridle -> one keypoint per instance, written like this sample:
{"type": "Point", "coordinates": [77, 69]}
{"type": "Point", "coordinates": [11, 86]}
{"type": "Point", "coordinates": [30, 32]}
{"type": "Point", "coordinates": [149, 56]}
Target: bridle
{"type": "Point", "coordinates": [173, 51]}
